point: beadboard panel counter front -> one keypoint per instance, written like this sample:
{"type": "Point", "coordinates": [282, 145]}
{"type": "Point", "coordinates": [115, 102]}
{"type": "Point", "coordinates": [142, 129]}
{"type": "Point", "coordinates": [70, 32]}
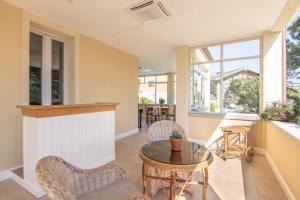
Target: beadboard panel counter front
{"type": "Point", "coordinates": [86, 140]}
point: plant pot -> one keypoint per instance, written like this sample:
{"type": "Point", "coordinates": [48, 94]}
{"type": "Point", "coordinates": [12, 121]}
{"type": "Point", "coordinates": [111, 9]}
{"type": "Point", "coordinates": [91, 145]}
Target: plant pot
{"type": "Point", "coordinates": [175, 144]}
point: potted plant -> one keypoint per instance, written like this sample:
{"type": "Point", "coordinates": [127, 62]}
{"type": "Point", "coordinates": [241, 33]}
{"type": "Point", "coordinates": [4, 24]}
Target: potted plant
{"type": "Point", "coordinates": [277, 111]}
{"type": "Point", "coordinates": [161, 102]}
{"type": "Point", "coordinates": [175, 140]}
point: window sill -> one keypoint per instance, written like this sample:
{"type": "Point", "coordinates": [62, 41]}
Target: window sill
{"type": "Point", "coordinates": [230, 116]}
{"type": "Point", "coordinates": [290, 128]}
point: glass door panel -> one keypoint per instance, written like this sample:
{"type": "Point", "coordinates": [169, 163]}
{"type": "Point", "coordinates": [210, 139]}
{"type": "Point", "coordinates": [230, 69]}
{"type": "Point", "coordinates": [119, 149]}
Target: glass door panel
{"type": "Point", "coordinates": [35, 69]}
{"type": "Point", "coordinates": [57, 75]}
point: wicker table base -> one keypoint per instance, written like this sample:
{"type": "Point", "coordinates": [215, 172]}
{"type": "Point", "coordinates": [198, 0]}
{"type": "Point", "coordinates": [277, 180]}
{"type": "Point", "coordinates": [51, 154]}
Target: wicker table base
{"type": "Point", "coordinates": [173, 179]}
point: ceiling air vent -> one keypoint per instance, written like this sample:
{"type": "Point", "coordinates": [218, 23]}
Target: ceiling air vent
{"type": "Point", "coordinates": [150, 11]}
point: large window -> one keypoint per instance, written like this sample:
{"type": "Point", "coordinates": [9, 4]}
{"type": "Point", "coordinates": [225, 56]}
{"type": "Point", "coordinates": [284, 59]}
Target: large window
{"type": "Point", "coordinates": [293, 65]}
{"type": "Point", "coordinates": [46, 69]}
{"type": "Point", "coordinates": [153, 88]}
{"type": "Point", "coordinates": [225, 77]}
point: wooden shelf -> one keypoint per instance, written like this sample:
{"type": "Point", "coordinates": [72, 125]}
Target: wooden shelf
{"type": "Point", "coordinates": [60, 110]}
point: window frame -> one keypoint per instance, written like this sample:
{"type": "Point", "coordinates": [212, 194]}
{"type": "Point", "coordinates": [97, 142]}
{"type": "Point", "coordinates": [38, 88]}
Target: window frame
{"type": "Point", "coordinates": [47, 66]}
{"type": "Point", "coordinates": [221, 61]}
{"type": "Point", "coordinates": [155, 90]}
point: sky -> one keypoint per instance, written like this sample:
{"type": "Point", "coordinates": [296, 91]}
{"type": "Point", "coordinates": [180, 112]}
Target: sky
{"type": "Point", "coordinates": [234, 50]}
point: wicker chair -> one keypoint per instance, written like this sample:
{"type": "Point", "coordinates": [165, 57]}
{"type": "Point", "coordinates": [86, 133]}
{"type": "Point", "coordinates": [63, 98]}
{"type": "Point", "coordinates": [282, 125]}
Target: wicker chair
{"type": "Point", "coordinates": [63, 181]}
{"type": "Point", "coordinates": [162, 130]}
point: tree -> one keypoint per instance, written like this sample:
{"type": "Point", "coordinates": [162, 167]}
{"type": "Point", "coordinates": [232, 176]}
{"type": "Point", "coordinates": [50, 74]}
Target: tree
{"type": "Point", "coordinates": [293, 49]}
{"type": "Point", "coordinates": [245, 92]}
{"type": "Point", "coordinates": [145, 100]}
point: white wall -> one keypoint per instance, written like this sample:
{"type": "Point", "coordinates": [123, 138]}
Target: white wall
{"type": "Point", "coordinates": [272, 67]}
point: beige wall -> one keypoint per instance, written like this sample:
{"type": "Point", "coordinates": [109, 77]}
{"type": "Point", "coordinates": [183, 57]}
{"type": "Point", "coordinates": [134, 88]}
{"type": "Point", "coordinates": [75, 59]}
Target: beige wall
{"type": "Point", "coordinates": [108, 74]}
{"type": "Point", "coordinates": [182, 53]}
{"type": "Point", "coordinates": [208, 129]}
{"type": "Point", "coordinates": [285, 152]}
{"type": "Point", "coordinates": [97, 72]}
{"type": "Point", "coordinates": [10, 86]}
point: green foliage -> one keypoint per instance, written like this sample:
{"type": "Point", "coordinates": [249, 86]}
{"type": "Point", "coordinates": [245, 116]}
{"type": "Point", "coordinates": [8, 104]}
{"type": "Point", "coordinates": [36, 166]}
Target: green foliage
{"type": "Point", "coordinates": [293, 49]}
{"type": "Point", "coordinates": [293, 95]}
{"type": "Point", "coordinates": [213, 107]}
{"type": "Point", "coordinates": [176, 135]}
{"type": "Point", "coordinates": [245, 91]}
{"type": "Point", "coordinates": [145, 100]}
{"type": "Point", "coordinates": [281, 112]}
{"type": "Point", "coordinates": [161, 101]}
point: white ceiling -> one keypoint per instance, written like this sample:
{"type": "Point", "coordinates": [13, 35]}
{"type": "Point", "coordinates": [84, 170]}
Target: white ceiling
{"type": "Point", "coordinates": [192, 22]}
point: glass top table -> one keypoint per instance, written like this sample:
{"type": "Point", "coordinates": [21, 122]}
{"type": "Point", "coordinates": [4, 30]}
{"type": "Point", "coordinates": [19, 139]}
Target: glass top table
{"type": "Point", "coordinates": [191, 153]}
{"type": "Point", "coordinates": [192, 157]}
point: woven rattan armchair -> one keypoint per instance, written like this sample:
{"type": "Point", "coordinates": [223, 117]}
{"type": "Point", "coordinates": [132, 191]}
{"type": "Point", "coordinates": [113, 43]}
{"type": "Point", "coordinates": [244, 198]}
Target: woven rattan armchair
{"type": "Point", "coordinates": [63, 181]}
{"type": "Point", "coordinates": [162, 130]}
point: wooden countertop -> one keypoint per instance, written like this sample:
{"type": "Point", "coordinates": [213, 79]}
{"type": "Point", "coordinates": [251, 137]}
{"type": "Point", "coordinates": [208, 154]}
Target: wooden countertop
{"type": "Point", "coordinates": [69, 109]}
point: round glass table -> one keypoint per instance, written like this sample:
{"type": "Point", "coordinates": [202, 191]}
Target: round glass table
{"type": "Point", "coordinates": [192, 157]}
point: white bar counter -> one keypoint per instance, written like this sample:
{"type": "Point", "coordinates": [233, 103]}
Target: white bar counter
{"type": "Point", "coordinates": [83, 134]}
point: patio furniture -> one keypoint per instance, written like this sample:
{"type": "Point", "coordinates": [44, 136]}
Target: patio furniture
{"type": "Point", "coordinates": [236, 142]}
{"type": "Point", "coordinates": [63, 181]}
{"type": "Point", "coordinates": [149, 114]}
{"type": "Point", "coordinates": [159, 156]}
{"type": "Point", "coordinates": [164, 113]}
{"type": "Point", "coordinates": [140, 113]}
{"type": "Point", "coordinates": [162, 130]}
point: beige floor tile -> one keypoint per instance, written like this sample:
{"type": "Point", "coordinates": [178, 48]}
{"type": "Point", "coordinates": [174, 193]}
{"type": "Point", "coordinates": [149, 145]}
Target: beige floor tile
{"type": "Point", "coordinates": [269, 188]}
{"type": "Point", "coordinates": [255, 180]}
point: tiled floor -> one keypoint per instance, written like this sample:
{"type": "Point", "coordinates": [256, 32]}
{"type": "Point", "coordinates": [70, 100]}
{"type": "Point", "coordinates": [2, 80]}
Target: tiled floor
{"type": "Point", "coordinates": [257, 180]}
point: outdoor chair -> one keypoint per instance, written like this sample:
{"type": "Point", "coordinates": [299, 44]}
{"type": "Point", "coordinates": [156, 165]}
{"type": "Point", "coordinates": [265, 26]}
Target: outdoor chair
{"type": "Point", "coordinates": [63, 181]}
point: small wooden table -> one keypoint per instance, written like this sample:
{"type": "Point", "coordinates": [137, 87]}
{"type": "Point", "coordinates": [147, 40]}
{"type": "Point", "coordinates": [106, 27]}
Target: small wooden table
{"type": "Point", "coordinates": [192, 157]}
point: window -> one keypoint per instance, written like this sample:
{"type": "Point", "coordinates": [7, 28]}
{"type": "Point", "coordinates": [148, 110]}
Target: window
{"type": "Point", "coordinates": [46, 70]}
{"type": "Point", "coordinates": [174, 91]}
{"type": "Point", "coordinates": [225, 77]}
{"type": "Point", "coordinates": [152, 88]}
{"type": "Point", "coordinates": [293, 65]}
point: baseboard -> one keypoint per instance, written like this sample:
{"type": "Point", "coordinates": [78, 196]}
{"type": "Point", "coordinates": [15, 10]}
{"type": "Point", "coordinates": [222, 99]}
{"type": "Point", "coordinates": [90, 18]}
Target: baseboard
{"type": "Point", "coordinates": [260, 151]}
{"type": "Point", "coordinates": [5, 174]}
{"type": "Point", "coordinates": [279, 177]}
{"type": "Point", "coordinates": [37, 192]}
{"type": "Point", "coordinates": [102, 162]}
{"type": "Point", "coordinates": [127, 133]}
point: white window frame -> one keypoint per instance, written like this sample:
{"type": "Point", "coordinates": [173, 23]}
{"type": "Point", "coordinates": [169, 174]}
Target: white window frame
{"type": "Point", "coordinates": [221, 61]}
{"type": "Point", "coordinates": [155, 90]}
{"type": "Point", "coordinates": [47, 66]}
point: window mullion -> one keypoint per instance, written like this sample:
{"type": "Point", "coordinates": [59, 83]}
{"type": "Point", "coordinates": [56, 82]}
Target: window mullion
{"type": "Point", "coordinates": [221, 80]}
{"type": "Point", "coordinates": [47, 71]}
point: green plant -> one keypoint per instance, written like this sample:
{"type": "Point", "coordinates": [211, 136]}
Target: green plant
{"type": "Point", "coordinates": [176, 135]}
{"type": "Point", "coordinates": [161, 101]}
{"type": "Point", "coordinates": [145, 100]}
{"type": "Point", "coordinates": [281, 112]}
{"type": "Point", "coordinates": [213, 107]}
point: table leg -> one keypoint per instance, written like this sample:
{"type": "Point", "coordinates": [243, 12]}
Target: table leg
{"type": "Point", "coordinates": [144, 178]}
{"type": "Point", "coordinates": [205, 182]}
{"type": "Point", "coordinates": [173, 186]}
